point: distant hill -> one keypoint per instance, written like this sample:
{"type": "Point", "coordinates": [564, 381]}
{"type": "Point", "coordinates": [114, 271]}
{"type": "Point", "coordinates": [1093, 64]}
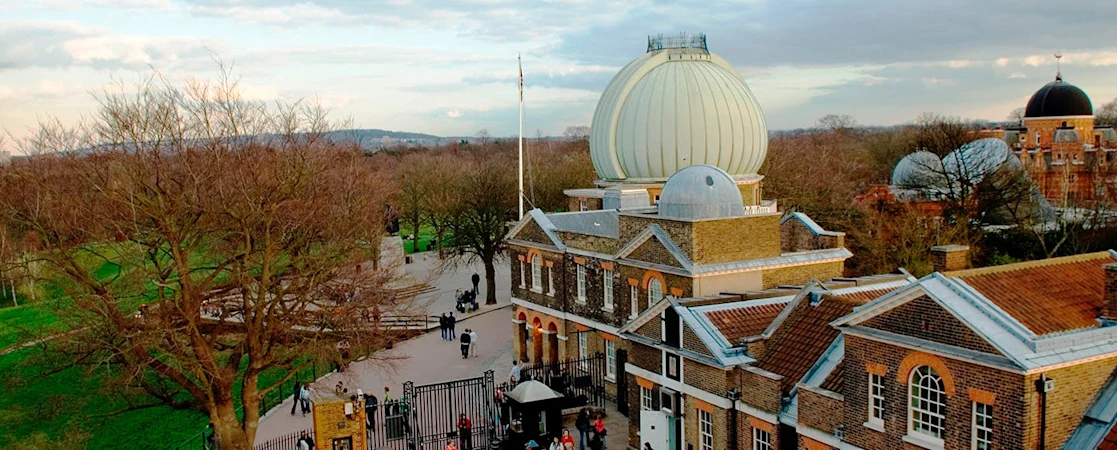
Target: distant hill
{"type": "Point", "coordinates": [377, 134]}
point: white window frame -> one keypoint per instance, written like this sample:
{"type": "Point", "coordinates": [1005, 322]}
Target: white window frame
{"type": "Point", "coordinates": [923, 395]}
{"type": "Point", "coordinates": [582, 206]}
{"type": "Point", "coordinates": [634, 298]}
{"type": "Point", "coordinates": [581, 276]}
{"type": "Point", "coordinates": [522, 279]}
{"type": "Point", "coordinates": [583, 345]}
{"type": "Point", "coordinates": [876, 400]}
{"type": "Point", "coordinates": [982, 433]}
{"type": "Point", "coordinates": [652, 297]}
{"type": "Point", "coordinates": [607, 288]}
{"type": "Point", "coordinates": [761, 440]}
{"type": "Point", "coordinates": [551, 281]}
{"type": "Point", "coordinates": [610, 360]}
{"type": "Point", "coordinates": [645, 399]}
{"type": "Point", "coordinates": [705, 430]}
{"type": "Point", "coordinates": [537, 273]}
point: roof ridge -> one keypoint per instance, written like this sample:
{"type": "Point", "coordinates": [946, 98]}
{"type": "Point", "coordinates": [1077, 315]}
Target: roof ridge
{"type": "Point", "coordinates": [1029, 264]}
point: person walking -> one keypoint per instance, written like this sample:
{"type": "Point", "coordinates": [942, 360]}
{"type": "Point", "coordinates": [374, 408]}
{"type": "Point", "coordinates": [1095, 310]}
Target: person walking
{"type": "Point", "coordinates": [304, 398]}
{"type": "Point", "coordinates": [582, 423]}
{"type": "Point", "coordinates": [599, 433]}
{"type": "Point", "coordinates": [476, 280]}
{"type": "Point", "coordinates": [465, 432]}
{"type": "Point", "coordinates": [450, 322]}
{"type": "Point", "coordinates": [310, 441]}
{"type": "Point", "coordinates": [295, 397]}
{"type": "Point", "coordinates": [302, 444]}
{"type": "Point", "coordinates": [472, 343]}
{"type": "Point", "coordinates": [444, 325]}
{"type": "Point", "coordinates": [465, 345]}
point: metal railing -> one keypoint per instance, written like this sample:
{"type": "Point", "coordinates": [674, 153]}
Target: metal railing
{"type": "Point", "coordinates": [682, 40]}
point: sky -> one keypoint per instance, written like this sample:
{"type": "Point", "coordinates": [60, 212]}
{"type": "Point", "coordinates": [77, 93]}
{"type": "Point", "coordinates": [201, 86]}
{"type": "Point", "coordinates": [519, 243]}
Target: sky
{"type": "Point", "coordinates": [448, 67]}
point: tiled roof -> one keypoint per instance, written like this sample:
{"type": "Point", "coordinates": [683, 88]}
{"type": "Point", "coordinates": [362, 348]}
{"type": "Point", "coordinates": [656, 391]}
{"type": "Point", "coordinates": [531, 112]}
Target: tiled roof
{"type": "Point", "coordinates": [866, 296]}
{"type": "Point", "coordinates": [804, 336]}
{"type": "Point", "coordinates": [737, 323]}
{"type": "Point", "coordinates": [1047, 296]}
{"type": "Point", "coordinates": [1110, 441]}
{"type": "Point", "coordinates": [835, 381]}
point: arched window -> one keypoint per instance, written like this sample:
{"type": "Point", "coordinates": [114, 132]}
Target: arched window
{"type": "Point", "coordinates": [536, 273]}
{"type": "Point", "coordinates": [926, 402]}
{"type": "Point", "coordinates": [655, 291]}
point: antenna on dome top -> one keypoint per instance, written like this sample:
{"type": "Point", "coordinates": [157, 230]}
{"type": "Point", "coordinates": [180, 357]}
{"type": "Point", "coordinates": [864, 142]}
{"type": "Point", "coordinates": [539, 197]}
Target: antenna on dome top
{"type": "Point", "coordinates": [1058, 66]}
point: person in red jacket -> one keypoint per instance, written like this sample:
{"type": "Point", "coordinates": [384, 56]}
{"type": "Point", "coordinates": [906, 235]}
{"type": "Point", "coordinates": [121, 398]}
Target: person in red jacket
{"type": "Point", "coordinates": [465, 432]}
{"type": "Point", "coordinates": [567, 440]}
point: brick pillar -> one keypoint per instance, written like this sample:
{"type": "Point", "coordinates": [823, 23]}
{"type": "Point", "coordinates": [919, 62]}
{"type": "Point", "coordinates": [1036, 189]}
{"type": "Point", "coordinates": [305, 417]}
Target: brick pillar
{"type": "Point", "coordinates": [517, 339]}
{"type": "Point", "coordinates": [1109, 303]}
{"type": "Point", "coordinates": [562, 343]}
{"type": "Point", "coordinates": [547, 344]}
{"type": "Point", "coordinates": [946, 258]}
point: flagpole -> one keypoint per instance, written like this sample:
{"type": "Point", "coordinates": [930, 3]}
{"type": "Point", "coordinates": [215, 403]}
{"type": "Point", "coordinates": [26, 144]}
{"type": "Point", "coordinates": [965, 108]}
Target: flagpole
{"type": "Point", "coordinates": [520, 141]}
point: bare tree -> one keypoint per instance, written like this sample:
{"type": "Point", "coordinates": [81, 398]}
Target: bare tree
{"type": "Point", "coordinates": [1106, 115]}
{"type": "Point", "coordinates": [577, 132]}
{"type": "Point", "coordinates": [483, 137]}
{"type": "Point", "coordinates": [1015, 117]}
{"type": "Point", "coordinates": [412, 194]}
{"type": "Point", "coordinates": [837, 122]}
{"type": "Point", "coordinates": [487, 203]}
{"type": "Point", "coordinates": [237, 232]}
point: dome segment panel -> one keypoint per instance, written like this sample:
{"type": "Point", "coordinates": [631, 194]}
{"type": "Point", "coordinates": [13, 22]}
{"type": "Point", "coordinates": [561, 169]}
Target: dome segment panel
{"type": "Point", "coordinates": [921, 170]}
{"type": "Point", "coordinates": [1058, 99]}
{"type": "Point", "coordinates": [673, 108]}
{"type": "Point", "coordinates": [700, 192]}
{"type": "Point", "coordinates": [975, 160]}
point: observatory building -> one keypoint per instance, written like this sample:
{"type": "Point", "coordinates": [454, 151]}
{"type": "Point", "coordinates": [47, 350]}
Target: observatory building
{"type": "Point", "coordinates": [677, 140]}
{"type": "Point", "coordinates": [1069, 158]}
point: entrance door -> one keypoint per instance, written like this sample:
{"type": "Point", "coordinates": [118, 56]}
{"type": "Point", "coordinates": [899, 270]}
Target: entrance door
{"type": "Point", "coordinates": [656, 429]}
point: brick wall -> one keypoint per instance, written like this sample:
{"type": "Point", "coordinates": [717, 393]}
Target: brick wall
{"type": "Point", "coordinates": [532, 233]}
{"type": "Point", "coordinates": [692, 343]}
{"type": "Point", "coordinates": [745, 425]}
{"type": "Point", "coordinates": [736, 239]}
{"type": "Point", "coordinates": [329, 414]}
{"type": "Point", "coordinates": [1109, 299]}
{"type": "Point", "coordinates": [525, 293]}
{"type": "Point", "coordinates": [821, 409]}
{"type": "Point", "coordinates": [710, 379]}
{"type": "Point", "coordinates": [1075, 388]}
{"type": "Point", "coordinates": [644, 357]}
{"type": "Point", "coordinates": [592, 203]}
{"type": "Point", "coordinates": [798, 275]}
{"type": "Point", "coordinates": [681, 233]}
{"type": "Point", "coordinates": [593, 308]}
{"type": "Point", "coordinates": [1009, 406]}
{"type": "Point", "coordinates": [760, 391]}
{"type": "Point", "coordinates": [923, 318]}
{"type": "Point", "coordinates": [651, 329]}
{"type": "Point", "coordinates": [653, 251]}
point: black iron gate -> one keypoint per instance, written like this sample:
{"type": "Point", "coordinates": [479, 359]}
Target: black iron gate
{"type": "Point", "coordinates": [622, 382]}
{"type": "Point", "coordinates": [439, 410]}
{"type": "Point", "coordinates": [581, 381]}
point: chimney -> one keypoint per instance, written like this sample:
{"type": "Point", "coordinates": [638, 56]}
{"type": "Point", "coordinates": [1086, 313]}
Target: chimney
{"type": "Point", "coordinates": [1109, 297]}
{"type": "Point", "coordinates": [947, 258]}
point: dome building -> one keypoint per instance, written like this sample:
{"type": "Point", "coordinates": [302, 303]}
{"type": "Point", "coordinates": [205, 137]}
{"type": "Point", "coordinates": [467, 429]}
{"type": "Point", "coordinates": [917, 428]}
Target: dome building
{"type": "Point", "coordinates": [676, 106]}
{"type": "Point", "coordinates": [1067, 156]}
{"type": "Point", "coordinates": [676, 142]}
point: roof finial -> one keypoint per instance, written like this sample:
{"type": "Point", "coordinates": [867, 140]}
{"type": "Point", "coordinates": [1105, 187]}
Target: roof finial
{"type": "Point", "coordinates": [1058, 66]}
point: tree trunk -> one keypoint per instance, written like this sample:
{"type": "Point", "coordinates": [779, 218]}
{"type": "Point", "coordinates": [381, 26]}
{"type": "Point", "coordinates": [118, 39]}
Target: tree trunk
{"type": "Point", "coordinates": [227, 428]}
{"type": "Point", "coordinates": [490, 281]}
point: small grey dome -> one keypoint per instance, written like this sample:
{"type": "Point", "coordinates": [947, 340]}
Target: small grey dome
{"type": "Point", "coordinates": [920, 169]}
{"type": "Point", "coordinates": [700, 192]}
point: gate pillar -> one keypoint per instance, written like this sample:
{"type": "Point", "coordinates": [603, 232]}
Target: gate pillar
{"type": "Point", "coordinates": [339, 423]}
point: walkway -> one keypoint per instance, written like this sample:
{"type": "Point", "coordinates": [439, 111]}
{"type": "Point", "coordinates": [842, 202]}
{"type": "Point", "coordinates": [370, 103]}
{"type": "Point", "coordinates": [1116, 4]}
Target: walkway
{"type": "Point", "coordinates": [425, 359]}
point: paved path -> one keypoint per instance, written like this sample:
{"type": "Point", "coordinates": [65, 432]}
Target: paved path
{"type": "Point", "coordinates": [425, 359]}
{"type": "Point", "coordinates": [447, 280]}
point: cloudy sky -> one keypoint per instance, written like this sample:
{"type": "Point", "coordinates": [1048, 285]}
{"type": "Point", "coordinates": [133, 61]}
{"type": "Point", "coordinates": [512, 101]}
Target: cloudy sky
{"type": "Point", "coordinates": [448, 67]}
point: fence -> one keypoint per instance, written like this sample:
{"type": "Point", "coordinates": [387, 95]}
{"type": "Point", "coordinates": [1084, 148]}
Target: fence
{"type": "Point", "coordinates": [581, 381]}
{"type": "Point", "coordinates": [201, 441]}
{"type": "Point", "coordinates": [306, 374]}
{"type": "Point", "coordinates": [288, 441]}
{"type": "Point", "coordinates": [426, 416]}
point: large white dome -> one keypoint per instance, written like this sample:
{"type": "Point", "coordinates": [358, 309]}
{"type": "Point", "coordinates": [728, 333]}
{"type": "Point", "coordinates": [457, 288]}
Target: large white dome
{"type": "Point", "coordinates": [672, 108]}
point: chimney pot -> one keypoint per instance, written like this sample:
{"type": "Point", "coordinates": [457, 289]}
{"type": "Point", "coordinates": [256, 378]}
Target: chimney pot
{"type": "Point", "coordinates": [948, 258]}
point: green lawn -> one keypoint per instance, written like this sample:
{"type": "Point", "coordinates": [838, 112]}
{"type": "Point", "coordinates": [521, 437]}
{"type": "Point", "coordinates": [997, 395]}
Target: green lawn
{"type": "Point", "coordinates": [426, 238]}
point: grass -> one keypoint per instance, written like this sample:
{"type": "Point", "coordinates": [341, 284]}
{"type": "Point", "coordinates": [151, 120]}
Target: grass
{"type": "Point", "coordinates": [41, 408]}
{"type": "Point", "coordinates": [426, 238]}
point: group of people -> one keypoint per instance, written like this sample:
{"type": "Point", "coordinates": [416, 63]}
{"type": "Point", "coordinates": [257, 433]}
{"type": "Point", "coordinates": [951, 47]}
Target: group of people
{"type": "Point", "coordinates": [305, 442]}
{"type": "Point", "coordinates": [592, 431]}
{"type": "Point", "coordinates": [301, 395]}
{"type": "Point", "coordinates": [446, 324]}
{"type": "Point", "coordinates": [469, 343]}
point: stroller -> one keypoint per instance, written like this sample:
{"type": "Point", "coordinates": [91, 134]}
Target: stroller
{"type": "Point", "coordinates": [467, 300]}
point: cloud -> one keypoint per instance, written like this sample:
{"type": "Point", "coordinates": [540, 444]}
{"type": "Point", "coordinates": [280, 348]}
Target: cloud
{"type": "Point", "coordinates": [454, 113]}
{"type": "Point", "coordinates": [66, 44]}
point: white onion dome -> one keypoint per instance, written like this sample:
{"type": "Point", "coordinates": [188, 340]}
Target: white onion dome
{"type": "Point", "coordinates": [919, 169]}
{"type": "Point", "coordinates": [973, 161]}
{"type": "Point", "coordinates": [672, 108]}
{"type": "Point", "coordinates": [700, 192]}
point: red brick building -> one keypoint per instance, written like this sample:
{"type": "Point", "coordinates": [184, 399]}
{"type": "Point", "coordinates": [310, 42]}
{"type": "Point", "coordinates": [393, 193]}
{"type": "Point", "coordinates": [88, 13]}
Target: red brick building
{"type": "Point", "coordinates": [1015, 356]}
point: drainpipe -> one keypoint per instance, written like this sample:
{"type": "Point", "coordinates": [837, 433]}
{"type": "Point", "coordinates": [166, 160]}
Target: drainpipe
{"type": "Point", "coordinates": [1041, 388]}
{"type": "Point", "coordinates": [733, 395]}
